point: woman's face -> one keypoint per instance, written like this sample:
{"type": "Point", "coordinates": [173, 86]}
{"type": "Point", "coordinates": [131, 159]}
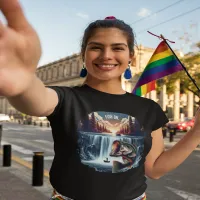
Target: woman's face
{"type": "Point", "coordinates": [107, 54]}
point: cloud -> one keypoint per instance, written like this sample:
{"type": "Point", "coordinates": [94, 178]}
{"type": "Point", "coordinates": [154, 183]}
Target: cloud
{"type": "Point", "coordinates": [82, 15]}
{"type": "Point", "coordinates": [144, 12]}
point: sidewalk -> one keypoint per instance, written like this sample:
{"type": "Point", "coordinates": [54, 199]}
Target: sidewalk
{"type": "Point", "coordinates": [15, 184]}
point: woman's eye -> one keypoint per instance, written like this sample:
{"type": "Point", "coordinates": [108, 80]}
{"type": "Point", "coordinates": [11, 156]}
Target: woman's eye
{"type": "Point", "coordinates": [118, 49]}
{"type": "Point", "coordinates": [95, 48]}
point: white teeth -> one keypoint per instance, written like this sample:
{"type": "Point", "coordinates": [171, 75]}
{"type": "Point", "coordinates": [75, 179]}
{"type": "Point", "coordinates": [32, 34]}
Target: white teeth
{"type": "Point", "coordinates": [106, 66]}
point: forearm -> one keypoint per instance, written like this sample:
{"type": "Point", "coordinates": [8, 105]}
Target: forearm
{"type": "Point", "coordinates": [33, 101]}
{"type": "Point", "coordinates": [173, 157]}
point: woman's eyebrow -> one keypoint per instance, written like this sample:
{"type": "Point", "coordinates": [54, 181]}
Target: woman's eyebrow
{"type": "Point", "coordinates": [118, 44]}
{"type": "Point", "coordinates": [114, 44]}
{"type": "Point", "coordinates": [95, 43]}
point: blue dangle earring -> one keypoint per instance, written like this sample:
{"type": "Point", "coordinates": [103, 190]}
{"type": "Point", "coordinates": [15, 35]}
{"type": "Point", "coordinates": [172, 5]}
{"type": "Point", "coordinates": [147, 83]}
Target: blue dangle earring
{"type": "Point", "coordinates": [83, 72]}
{"type": "Point", "coordinates": [127, 73]}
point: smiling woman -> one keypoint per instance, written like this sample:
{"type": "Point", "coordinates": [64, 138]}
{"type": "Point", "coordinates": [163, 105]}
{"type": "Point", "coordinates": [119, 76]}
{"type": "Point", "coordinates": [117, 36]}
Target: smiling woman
{"type": "Point", "coordinates": [106, 55]}
{"type": "Point", "coordinates": [107, 49]}
{"type": "Point", "coordinates": [111, 136]}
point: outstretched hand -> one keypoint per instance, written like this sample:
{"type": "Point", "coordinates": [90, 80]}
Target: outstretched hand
{"type": "Point", "coordinates": [20, 50]}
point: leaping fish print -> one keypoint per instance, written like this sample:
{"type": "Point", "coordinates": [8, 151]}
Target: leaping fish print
{"type": "Point", "coordinates": [126, 151]}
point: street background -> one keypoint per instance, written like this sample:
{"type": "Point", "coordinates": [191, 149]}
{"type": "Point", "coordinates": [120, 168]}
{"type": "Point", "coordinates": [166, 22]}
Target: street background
{"type": "Point", "coordinates": [182, 183]}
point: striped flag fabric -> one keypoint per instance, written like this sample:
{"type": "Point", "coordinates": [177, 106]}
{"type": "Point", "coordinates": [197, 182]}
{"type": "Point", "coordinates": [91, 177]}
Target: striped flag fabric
{"type": "Point", "coordinates": [162, 63]}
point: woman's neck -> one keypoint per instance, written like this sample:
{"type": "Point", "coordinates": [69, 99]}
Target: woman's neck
{"type": "Point", "coordinates": [111, 86]}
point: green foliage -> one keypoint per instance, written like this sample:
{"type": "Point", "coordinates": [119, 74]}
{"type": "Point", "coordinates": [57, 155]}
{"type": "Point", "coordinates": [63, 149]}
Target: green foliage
{"type": "Point", "coordinates": [198, 45]}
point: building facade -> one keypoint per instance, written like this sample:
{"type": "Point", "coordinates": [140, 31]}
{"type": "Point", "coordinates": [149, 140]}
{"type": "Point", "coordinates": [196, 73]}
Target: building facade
{"type": "Point", "coordinates": [65, 72]}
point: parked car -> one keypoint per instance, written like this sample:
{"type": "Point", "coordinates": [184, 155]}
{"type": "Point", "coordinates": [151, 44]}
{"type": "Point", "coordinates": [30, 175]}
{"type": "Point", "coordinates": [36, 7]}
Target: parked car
{"type": "Point", "coordinates": [184, 125]}
{"type": "Point", "coordinates": [4, 118]}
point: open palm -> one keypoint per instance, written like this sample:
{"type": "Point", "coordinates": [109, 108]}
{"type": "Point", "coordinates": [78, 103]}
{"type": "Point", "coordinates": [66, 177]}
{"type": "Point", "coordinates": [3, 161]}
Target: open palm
{"type": "Point", "coordinates": [20, 50]}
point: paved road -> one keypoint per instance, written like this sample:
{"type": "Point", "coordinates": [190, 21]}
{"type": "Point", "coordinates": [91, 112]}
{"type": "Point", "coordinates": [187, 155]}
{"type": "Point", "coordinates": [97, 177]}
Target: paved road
{"type": "Point", "coordinates": [26, 139]}
{"type": "Point", "coordinates": [182, 183]}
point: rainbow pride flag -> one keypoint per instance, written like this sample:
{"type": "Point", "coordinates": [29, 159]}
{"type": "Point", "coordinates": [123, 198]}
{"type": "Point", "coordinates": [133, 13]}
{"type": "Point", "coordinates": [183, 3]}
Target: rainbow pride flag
{"type": "Point", "coordinates": [163, 62]}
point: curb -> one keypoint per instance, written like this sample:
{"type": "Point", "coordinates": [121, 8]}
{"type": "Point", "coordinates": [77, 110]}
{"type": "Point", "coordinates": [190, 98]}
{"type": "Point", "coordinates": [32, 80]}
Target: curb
{"type": "Point", "coordinates": [25, 163]}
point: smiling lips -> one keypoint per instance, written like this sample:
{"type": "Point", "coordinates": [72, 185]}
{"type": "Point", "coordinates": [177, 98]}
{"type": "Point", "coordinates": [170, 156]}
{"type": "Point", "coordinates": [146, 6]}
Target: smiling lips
{"type": "Point", "coordinates": [106, 67]}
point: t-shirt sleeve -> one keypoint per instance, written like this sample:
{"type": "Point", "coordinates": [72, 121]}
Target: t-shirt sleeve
{"type": "Point", "coordinates": [61, 92]}
{"type": "Point", "coordinates": [160, 117]}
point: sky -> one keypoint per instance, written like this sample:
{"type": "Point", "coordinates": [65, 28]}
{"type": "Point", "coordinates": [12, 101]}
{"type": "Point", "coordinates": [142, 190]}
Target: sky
{"type": "Point", "coordinates": [60, 23]}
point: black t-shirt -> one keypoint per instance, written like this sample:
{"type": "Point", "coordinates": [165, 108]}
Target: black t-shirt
{"type": "Point", "coordinates": [100, 142]}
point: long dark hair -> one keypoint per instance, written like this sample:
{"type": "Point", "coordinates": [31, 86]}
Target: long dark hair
{"type": "Point", "coordinates": [108, 22]}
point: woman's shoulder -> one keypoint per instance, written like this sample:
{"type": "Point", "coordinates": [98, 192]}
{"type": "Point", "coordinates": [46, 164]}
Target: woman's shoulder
{"type": "Point", "coordinates": [66, 89]}
{"type": "Point", "coordinates": [141, 99]}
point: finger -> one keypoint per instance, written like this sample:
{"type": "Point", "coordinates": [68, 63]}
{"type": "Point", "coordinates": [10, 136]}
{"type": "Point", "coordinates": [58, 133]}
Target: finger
{"type": "Point", "coordinates": [13, 12]}
{"type": "Point", "coordinates": [1, 28]}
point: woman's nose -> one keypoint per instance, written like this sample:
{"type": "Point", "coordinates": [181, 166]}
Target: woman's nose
{"type": "Point", "coordinates": [106, 54]}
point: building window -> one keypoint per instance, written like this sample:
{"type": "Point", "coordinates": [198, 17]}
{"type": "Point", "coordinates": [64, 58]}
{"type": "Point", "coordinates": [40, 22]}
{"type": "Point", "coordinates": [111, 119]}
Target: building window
{"type": "Point", "coordinates": [44, 75]}
{"type": "Point", "coordinates": [49, 74]}
{"type": "Point", "coordinates": [61, 71]}
{"type": "Point", "coordinates": [55, 72]}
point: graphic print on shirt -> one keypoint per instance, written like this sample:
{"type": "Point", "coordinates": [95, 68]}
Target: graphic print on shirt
{"type": "Point", "coordinates": [110, 142]}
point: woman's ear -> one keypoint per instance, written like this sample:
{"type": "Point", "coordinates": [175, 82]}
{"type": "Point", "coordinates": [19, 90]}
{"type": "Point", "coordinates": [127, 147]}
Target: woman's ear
{"type": "Point", "coordinates": [131, 56]}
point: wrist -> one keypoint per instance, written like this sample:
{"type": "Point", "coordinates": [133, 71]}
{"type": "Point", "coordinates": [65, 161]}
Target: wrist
{"type": "Point", "coordinates": [23, 87]}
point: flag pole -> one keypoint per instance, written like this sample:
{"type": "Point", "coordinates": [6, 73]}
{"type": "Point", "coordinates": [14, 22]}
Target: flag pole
{"type": "Point", "coordinates": [181, 64]}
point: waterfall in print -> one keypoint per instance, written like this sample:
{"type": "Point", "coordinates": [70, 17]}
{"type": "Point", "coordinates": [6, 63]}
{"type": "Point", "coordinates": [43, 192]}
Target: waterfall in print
{"type": "Point", "coordinates": [110, 142]}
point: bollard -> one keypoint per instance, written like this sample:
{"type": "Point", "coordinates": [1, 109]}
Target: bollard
{"type": "Point", "coordinates": [34, 123]}
{"type": "Point", "coordinates": [1, 129]}
{"type": "Point", "coordinates": [41, 124]}
{"type": "Point", "coordinates": [48, 124]}
{"type": "Point", "coordinates": [171, 135]}
{"type": "Point", "coordinates": [174, 131]}
{"type": "Point", "coordinates": [164, 131]}
{"type": "Point", "coordinates": [38, 169]}
{"type": "Point", "coordinates": [7, 155]}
